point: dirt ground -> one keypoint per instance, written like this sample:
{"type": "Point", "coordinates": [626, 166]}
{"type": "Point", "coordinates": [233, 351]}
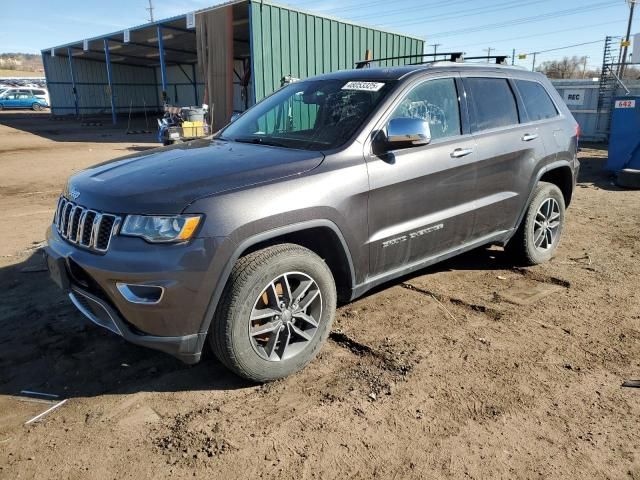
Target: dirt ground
{"type": "Point", "coordinates": [472, 369]}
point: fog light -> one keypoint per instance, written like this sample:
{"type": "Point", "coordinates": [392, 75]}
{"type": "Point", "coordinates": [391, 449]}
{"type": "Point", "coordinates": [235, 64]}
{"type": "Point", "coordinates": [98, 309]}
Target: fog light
{"type": "Point", "coordinates": [145, 294]}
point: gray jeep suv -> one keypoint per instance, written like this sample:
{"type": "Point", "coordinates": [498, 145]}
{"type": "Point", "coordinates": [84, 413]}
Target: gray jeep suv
{"type": "Point", "coordinates": [327, 188]}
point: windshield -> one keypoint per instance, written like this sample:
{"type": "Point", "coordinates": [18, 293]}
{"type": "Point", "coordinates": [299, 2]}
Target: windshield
{"type": "Point", "coordinates": [310, 115]}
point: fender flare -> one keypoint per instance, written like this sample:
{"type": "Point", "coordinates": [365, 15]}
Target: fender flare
{"type": "Point", "coordinates": [258, 238]}
{"type": "Point", "coordinates": [547, 168]}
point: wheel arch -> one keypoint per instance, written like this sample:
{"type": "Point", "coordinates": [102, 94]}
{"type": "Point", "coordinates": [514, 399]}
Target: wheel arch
{"type": "Point", "coordinates": [562, 177]}
{"type": "Point", "coordinates": [558, 173]}
{"type": "Point", "coordinates": [323, 237]}
{"type": "Point", "coordinates": [327, 244]}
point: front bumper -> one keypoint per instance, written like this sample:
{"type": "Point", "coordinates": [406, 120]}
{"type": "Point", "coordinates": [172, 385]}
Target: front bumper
{"type": "Point", "coordinates": [187, 348]}
{"type": "Point", "coordinates": [175, 324]}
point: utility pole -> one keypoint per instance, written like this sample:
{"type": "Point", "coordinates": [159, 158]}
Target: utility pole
{"type": "Point", "coordinates": [626, 44]}
{"type": "Point", "coordinates": [584, 66]}
{"type": "Point", "coordinates": [150, 9]}
{"type": "Point", "coordinates": [488, 50]}
{"type": "Point", "coordinates": [435, 49]}
{"type": "Point", "coordinates": [513, 57]}
{"type": "Point", "coordinates": [533, 67]}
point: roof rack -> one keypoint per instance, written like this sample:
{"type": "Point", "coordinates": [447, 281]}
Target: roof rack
{"type": "Point", "coordinates": [500, 59]}
{"type": "Point", "coordinates": [453, 57]}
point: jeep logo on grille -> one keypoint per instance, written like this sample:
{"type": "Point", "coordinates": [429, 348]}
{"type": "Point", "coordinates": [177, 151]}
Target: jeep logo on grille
{"type": "Point", "coordinates": [74, 193]}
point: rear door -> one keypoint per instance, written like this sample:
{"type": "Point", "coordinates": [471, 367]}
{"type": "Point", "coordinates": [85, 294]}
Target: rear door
{"type": "Point", "coordinates": [508, 150]}
{"type": "Point", "coordinates": [24, 100]}
{"type": "Point", "coordinates": [542, 113]}
{"type": "Point", "coordinates": [421, 198]}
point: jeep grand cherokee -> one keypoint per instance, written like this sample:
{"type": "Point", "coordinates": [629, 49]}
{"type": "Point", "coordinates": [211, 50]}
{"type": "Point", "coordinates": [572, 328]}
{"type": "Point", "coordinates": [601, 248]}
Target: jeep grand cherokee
{"type": "Point", "coordinates": [332, 185]}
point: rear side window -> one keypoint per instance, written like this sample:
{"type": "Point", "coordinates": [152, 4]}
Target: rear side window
{"type": "Point", "coordinates": [493, 102]}
{"type": "Point", "coordinates": [536, 100]}
{"type": "Point", "coordinates": [436, 102]}
{"type": "Point", "coordinates": [38, 92]}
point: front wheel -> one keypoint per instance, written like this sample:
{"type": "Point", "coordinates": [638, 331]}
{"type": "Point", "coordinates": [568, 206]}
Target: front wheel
{"type": "Point", "coordinates": [538, 236]}
{"type": "Point", "coordinates": [36, 107]}
{"type": "Point", "coordinates": [275, 313]}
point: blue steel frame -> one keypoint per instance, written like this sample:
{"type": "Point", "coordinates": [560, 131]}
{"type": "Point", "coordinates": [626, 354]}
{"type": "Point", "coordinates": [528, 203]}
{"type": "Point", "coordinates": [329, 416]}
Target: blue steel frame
{"type": "Point", "coordinates": [73, 81]}
{"type": "Point", "coordinates": [195, 84]}
{"type": "Point", "coordinates": [107, 61]}
{"type": "Point", "coordinates": [163, 66]}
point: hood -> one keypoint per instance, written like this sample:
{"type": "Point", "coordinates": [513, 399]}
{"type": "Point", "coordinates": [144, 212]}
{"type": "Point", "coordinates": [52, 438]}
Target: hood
{"type": "Point", "coordinates": [166, 180]}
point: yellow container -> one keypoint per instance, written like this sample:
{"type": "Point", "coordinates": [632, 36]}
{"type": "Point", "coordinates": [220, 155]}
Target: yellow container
{"type": "Point", "coordinates": [192, 129]}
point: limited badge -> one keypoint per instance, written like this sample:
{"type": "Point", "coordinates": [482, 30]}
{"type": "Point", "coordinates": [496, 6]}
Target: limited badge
{"type": "Point", "coordinates": [363, 86]}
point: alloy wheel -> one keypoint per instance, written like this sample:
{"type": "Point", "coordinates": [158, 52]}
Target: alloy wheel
{"type": "Point", "coordinates": [285, 316]}
{"type": "Point", "coordinates": [546, 224]}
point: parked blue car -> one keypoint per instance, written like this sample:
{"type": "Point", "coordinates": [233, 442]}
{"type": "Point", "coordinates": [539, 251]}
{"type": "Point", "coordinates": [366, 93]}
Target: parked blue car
{"type": "Point", "coordinates": [21, 100]}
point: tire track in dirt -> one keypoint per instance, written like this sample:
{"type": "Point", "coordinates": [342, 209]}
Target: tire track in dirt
{"type": "Point", "coordinates": [388, 362]}
{"type": "Point", "coordinates": [490, 312]}
{"type": "Point", "coordinates": [540, 277]}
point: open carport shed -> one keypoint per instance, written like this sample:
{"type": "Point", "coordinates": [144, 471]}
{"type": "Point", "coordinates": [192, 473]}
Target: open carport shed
{"type": "Point", "coordinates": [228, 56]}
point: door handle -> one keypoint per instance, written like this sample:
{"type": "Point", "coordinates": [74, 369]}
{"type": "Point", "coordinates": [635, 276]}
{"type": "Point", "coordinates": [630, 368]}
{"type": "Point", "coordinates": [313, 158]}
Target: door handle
{"type": "Point", "coordinates": [461, 152]}
{"type": "Point", "coordinates": [527, 137]}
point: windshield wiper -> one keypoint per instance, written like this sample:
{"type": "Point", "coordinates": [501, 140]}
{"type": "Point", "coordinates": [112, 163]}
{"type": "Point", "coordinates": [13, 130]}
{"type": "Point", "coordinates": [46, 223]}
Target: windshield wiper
{"type": "Point", "coordinates": [260, 141]}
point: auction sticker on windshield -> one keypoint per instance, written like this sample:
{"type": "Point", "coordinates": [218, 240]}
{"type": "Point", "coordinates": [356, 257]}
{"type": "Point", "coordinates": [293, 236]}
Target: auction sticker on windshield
{"type": "Point", "coordinates": [364, 86]}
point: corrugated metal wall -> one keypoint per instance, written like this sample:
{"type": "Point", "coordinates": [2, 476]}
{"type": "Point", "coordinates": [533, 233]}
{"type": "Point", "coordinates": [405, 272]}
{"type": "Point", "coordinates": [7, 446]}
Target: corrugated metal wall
{"type": "Point", "coordinates": [287, 42]}
{"type": "Point", "coordinates": [581, 96]}
{"type": "Point", "coordinates": [135, 86]}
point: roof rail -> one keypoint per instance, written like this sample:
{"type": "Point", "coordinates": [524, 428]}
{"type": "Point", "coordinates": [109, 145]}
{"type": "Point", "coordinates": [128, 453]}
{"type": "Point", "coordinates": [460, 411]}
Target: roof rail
{"type": "Point", "coordinates": [453, 57]}
{"type": "Point", "coordinates": [500, 59]}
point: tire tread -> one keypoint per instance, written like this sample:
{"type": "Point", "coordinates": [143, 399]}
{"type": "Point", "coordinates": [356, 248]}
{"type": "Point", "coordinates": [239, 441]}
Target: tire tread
{"type": "Point", "coordinates": [220, 337]}
{"type": "Point", "coordinates": [519, 246]}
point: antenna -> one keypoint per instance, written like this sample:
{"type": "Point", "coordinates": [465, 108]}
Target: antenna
{"type": "Point", "coordinates": [150, 9]}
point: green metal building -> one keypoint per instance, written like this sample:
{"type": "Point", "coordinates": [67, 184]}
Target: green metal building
{"type": "Point", "coordinates": [228, 56]}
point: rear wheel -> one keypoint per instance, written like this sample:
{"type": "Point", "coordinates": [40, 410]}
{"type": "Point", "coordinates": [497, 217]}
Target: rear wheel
{"type": "Point", "coordinates": [36, 106]}
{"type": "Point", "coordinates": [538, 236]}
{"type": "Point", "coordinates": [275, 313]}
{"type": "Point", "coordinates": [1, 107]}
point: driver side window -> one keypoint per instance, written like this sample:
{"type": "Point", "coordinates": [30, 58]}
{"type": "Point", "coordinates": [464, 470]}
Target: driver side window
{"type": "Point", "coordinates": [436, 102]}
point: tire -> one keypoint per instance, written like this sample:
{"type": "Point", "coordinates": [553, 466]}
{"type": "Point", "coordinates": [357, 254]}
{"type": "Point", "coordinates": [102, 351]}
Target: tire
{"type": "Point", "coordinates": [528, 246]}
{"type": "Point", "coordinates": [257, 348]}
{"type": "Point", "coordinates": [1, 107]}
{"type": "Point", "coordinates": [36, 107]}
{"type": "Point", "coordinates": [629, 178]}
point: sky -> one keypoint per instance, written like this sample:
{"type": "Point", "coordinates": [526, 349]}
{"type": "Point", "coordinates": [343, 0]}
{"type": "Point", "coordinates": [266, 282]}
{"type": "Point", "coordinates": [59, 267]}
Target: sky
{"type": "Point", "coordinates": [471, 26]}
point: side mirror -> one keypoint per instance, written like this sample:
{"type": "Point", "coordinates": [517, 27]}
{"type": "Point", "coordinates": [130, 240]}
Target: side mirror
{"type": "Point", "coordinates": [234, 117]}
{"type": "Point", "coordinates": [407, 132]}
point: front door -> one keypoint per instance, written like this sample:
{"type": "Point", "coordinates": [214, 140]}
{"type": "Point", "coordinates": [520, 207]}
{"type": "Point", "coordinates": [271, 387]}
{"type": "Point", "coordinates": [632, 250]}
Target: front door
{"type": "Point", "coordinates": [421, 200]}
{"type": "Point", "coordinates": [11, 100]}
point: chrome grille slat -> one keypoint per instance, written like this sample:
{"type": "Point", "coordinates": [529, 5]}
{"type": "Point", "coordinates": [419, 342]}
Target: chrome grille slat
{"type": "Point", "coordinates": [94, 229]}
{"type": "Point", "coordinates": [80, 230]}
{"type": "Point", "coordinates": [71, 222]}
{"type": "Point", "coordinates": [85, 227]}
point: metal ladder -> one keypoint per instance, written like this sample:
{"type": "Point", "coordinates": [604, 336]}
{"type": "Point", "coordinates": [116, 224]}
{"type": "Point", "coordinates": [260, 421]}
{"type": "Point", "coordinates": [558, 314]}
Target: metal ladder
{"type": "Point", "coordinates": [608, 84]}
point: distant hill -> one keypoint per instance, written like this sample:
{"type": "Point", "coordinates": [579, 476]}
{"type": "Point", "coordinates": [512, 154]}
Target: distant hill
{"type": "Point", "coordinates": [24, 62]}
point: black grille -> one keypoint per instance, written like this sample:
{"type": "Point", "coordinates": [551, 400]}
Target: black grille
{"type": "Point", "coordinates": [84, 227]}
{"type": "Point", "coordinates": [104, 232]}
{"type": "Point", "coordinates": [86, 232]}
{"type": "Point", "coordinates": [76, 213]}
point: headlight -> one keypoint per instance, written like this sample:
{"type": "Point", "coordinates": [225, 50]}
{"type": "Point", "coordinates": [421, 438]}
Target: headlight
{"type": "Point", "coordinates": [161, 228]}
